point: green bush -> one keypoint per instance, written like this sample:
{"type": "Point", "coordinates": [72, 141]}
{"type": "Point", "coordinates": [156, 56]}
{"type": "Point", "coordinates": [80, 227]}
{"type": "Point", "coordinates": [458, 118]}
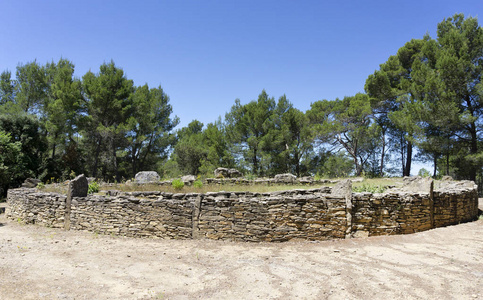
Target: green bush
{"type": "Point", "coordinates": [198, 184]}
{"type": "Point", "coordinates": [93, 187]}
{"type": "Point", "coordinates": [424, 173]}
{"type": "Point", "coordinates": [250, 176]}
{"type": "Point", "coordinates": [177, 184]}
{"type": "Point", "coordinates": [40, 185]}
{"type": "Point", "coordinates": [369, 188]}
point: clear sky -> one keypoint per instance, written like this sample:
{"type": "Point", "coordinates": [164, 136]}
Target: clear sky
{"type": "Point", "coordinates": [205, 53]}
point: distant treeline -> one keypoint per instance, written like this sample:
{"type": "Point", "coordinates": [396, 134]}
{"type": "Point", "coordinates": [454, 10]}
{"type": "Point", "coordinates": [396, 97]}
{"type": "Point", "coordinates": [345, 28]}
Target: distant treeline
{"type": "Point", "coordinates": [428, 96]}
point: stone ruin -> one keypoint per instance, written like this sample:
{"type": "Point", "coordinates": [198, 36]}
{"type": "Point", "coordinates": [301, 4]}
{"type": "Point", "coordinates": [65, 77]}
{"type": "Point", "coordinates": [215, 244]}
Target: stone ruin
{"type": "Point", "coordinates": [314, 214]}
{"type": "Point", "coordinates": [227, 173]}
{"type": "Point", "coordinates": [146, 177]}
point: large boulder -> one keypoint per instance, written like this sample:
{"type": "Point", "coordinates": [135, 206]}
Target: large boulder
{"type": "Point", "coordinates": [416, 184]}
{"type": "Point", "coordinates": [234, 173]}
{"type": "Point", "coordinates": [78, 187]}
{"type": "Point", "coordinates": [30, 183]}
{"type": "Point", "coordinates": [285, 178]}
{"type": "Point", "coordinates": [227, 173]}
{"type": "Point", "coordinates": [188, 179]}
{"type": "Point", "coordinates": [146, 177]}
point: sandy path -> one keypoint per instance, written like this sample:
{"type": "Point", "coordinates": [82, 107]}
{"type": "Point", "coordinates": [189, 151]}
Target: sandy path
{"type": "Point", "coordinates": [44, 263]}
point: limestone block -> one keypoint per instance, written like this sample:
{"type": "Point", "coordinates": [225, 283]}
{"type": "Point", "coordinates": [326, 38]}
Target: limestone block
{"type": "Point", "coordinates": [146, 177]}
{"type": "Point", "coordinates": [188, 179]}
{"type": "Point", "coordinates": [286, 178]}
{"type": "Point", "coordinates": [30, 183]}
{"type": "Point", "coordinates": [78, 186]}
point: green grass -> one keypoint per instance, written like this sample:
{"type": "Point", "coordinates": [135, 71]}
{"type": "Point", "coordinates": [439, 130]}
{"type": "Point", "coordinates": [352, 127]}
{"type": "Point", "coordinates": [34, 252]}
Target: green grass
{"type": "Point", "coordinates": [207, 188]}
{"type": "Point", "coordinates": [366, 184]}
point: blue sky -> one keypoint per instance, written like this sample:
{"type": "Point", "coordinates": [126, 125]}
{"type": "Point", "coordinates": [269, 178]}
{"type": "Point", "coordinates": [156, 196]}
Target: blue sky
{"type": "Point", "coordinates": [205, 54]}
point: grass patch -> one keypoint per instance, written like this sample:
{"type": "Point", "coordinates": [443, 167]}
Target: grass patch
{"type": "Point", "coordinates": [199, 187]}
{"type": "Point", "coordinates": [376, 185]}
{"type": "Point", "coordinates": [206, 188]}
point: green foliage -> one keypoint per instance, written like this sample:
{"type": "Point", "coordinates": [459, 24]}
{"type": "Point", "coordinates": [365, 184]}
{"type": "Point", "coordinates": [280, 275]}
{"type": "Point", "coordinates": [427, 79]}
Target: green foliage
{"type": "Point", "coordinates": [93, 187]}
{"type": "Point", "coordinates": [347, 124]}
{"type": "Point", "coordinates": [250, 176]}
{"type": "Point", "coordinates": [149, 136]}
{"type": "Point", "coordinates": [369, 188]}
{"type": "Point", "coordinates": [198, 184]}
{"type": "Point", "coordinates": [40, 185]}
{"type": "Point", "coordinates": [177, 184]}
{"type": "Point", "coordinates": [424, 173]}
{"type": "Point", "coordinates": [11, 167]}
{"type": "Point", "coordinates": [336, 166]}
{"type": "Point", "coordinates": [427, 96]}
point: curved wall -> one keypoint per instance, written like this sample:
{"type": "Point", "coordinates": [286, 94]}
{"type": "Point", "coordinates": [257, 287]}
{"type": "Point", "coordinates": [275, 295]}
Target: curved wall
{"type": "Point", "coordinates": [315, 214]}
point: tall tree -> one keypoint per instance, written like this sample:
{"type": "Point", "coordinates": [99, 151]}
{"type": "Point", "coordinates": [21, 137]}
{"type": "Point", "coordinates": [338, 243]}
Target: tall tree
{"type": "Point", "coordinates": [150, 128]}
{"type": "Point", "coordinates": [11, 167]}
{"type": "Point", "coordinates": [190, 151]}
{"type": "Point", "coordinates": [249, 125]}
{"type": "Point", "coordinates": [108, 102]}
{"type": "Point", "coordinates": [62, 107]}
{"type": "Point", "coordinates": [392, 91]}
{"type": "Point", "coordinates": [32, 87]}
{"type": "Point", "coordinates": [347, 123]}
{"type": "Point", "coordinates": [460, 67]}
{"type": "Point", "coordinates": [298, 138]}
{"type": "Point", "coordinates": [7, 88]}
{"type": "Point", "coordinates": [217, 149]}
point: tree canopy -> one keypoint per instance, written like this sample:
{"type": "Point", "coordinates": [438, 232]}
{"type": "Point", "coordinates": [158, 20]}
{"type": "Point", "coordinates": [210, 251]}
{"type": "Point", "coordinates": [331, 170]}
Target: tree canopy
{"type": "Point", "coordinates": [423, 103]}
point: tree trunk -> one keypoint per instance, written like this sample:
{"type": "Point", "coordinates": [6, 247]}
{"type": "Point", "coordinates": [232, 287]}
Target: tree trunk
{"type": "Point", "coordinates": [473, 151]}
{"type": "Point", "coordinates": [53, 146]}
{"type": "Point", "coordinates": [435, 163]}
{"type": "Point", "coordinates": [255, 163]}
{"type": "Point", "coordinates": [381, 168]}
{"type": "Point", "coordinates": [96, 158]}
{"type": "Point", "coordinates": [409, 156]}
{"type": "Point", "coordinates": [297, 163]}
{"type": "Point", "coordinates": [447, 163]}
{"type": "Point", "coordinates": [114, 161]}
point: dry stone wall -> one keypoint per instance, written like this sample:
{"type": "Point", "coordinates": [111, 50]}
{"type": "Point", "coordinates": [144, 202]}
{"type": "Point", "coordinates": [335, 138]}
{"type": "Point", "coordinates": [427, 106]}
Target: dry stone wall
{"type": "Point", "coordinates": [29, 206]}
{"type": "Point", "coordinates": [390, 213]}
{"type": "Point", "coordinates": [454, 202]}
{"type": "Point", "coordinates": [315, 214]}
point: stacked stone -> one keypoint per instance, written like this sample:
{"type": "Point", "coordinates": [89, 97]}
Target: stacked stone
{"type": "Point", "coordinates": [314, 214]}
{"type": "Point", "coordinates": [277, 216]}
{"type": "Point", "coordinates": [390, 213]}
{"type": "Point", "coordinates": [147, 214]}
{"type": "Point", "coordinates": [455, 202]}
{"type": "Point", "coordinates": [29, 206]}
{"type": "Point", "coordinates": [267, 181]}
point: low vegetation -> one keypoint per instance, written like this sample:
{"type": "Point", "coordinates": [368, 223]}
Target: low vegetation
{"type": "Point", "coordinates": [177, 186]}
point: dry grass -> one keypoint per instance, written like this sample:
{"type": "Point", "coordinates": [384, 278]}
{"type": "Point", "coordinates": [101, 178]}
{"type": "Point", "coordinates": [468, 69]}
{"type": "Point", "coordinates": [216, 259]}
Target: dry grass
{"type": "Point", "coordinates": [259, 188]}
{"type": "Point", "coordinates": [207, 188]}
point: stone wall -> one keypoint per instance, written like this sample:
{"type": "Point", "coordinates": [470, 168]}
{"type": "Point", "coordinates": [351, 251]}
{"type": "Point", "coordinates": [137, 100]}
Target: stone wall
{"type": "Point", "coordinates": [29, 206]}
{"type": "Point", "coordinates": [454, 202]}
{"type": "Point", "coordinates": [390, 213]}
{"type": "Point", "coordinates": [315, 214]}
{"type": "Point", "coordinates": [156, 214]}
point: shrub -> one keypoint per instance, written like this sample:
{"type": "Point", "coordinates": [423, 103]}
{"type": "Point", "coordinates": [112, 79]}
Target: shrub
{"type": "Point", "coordinates": [177, 184]}
{"type": "Point", "coordinates": [198, 184]}
{"type": "Point", "coordinates": [93, 188]}
{"type": "Point", "coordinates": [369, 188]}
{"type": "Point", "coordinates": [40, 185]}
{"type": "Point", "coordinates": [250, 176]}
{"type": "Point", "coordinates": [424, 173]}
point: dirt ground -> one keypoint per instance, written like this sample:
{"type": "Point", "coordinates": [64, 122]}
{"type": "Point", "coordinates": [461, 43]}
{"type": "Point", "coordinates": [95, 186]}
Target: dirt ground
{"type": "Point", "coordinates": [45, 263]}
